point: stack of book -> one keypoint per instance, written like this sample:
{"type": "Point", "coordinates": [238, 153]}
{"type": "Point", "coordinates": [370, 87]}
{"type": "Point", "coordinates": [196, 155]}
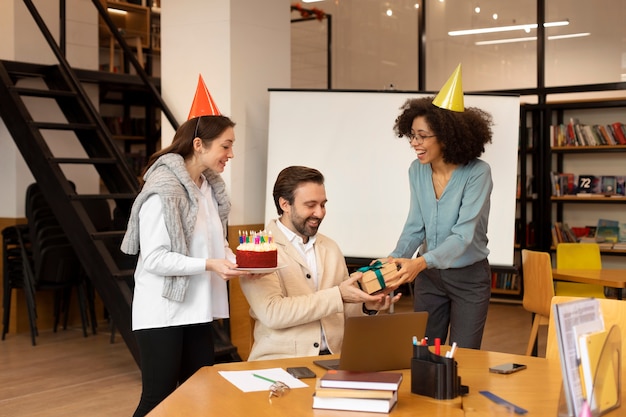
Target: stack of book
{"type": "Point", "coordinates": [375, 392]}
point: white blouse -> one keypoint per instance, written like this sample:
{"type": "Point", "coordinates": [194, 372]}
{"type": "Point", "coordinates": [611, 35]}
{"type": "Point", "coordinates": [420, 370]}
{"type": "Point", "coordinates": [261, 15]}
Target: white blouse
{"type": "Point", "coordinates": [206, 297]}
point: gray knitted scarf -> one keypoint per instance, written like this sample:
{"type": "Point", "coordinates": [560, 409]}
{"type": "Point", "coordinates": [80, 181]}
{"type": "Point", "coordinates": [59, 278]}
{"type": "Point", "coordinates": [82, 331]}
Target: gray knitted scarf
{"type": "Point", "coordinates": [168, 177]}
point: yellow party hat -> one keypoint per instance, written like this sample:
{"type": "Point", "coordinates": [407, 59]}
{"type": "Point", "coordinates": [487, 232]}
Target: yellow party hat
{"type": "Point", "coordinates": [203, 104]}
{"type": "Point", "coordinates": [451, 94]}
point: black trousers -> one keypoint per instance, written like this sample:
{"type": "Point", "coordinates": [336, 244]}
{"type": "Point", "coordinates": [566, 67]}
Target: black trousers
{"type": "Point", "coordinates": [457, 300]}
{"type": "Point", "coordinates": [169, 356]}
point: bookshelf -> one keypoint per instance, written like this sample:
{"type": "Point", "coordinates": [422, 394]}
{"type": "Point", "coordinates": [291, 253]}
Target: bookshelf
{"type": "Point", "coordinates": [578, 159]}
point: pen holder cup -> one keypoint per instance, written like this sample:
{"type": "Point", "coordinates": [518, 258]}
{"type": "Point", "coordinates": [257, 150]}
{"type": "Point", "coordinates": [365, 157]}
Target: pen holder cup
{"type": "Point", "coordinates": [434, 375]}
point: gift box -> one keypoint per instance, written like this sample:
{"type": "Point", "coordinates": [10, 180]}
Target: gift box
{"type": "Point", "coordinates": [375, 275]}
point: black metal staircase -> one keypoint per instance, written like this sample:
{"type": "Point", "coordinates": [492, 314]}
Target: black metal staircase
{"type": "Point", "coordinates": [57, 87]}
{"type": "Point", "coordinates": [109, 270]}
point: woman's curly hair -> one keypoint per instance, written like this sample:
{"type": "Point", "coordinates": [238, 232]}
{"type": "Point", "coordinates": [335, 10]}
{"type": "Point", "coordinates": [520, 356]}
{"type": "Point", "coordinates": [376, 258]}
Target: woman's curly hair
{"type": "Point", "coordinates": [462, 135]}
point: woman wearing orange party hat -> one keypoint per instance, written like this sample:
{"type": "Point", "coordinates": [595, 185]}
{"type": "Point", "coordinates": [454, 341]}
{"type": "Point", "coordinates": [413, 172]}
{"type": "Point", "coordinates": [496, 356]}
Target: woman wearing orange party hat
{"type": "Point", "coordinates": [177, 227]}
{"type": "Point", "coordinates": [450, 198]}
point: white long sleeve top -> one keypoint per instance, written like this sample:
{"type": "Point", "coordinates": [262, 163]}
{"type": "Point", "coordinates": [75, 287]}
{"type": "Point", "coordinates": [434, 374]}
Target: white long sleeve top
{"type": "Point", "coordinates": [206, 297]}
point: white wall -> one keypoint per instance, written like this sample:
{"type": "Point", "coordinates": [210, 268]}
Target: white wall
{"type": "Point", "coordinates": [241, 48]}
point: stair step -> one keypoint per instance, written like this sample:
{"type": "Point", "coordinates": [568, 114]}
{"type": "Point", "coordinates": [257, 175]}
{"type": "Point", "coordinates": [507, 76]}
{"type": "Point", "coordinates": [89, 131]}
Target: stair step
{"type": "Point", "coordinates": [108, 235]}
{"type": "Point", "coordinates": [23, 69]}
{"type": "Point", "coordinates": [64, 126]}
{"type": "Point", "coordinates": [34, 92]}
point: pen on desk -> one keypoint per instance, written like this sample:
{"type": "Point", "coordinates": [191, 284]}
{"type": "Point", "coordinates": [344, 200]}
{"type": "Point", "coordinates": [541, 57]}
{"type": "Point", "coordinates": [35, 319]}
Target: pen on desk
{"type": "Point", "coordinates": [437, 346]}
{"type": "Point", "coordinates": [264, 378]}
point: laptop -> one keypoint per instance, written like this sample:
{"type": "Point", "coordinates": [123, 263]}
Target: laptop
{"type": "Point", "coordinates": [378, 343]}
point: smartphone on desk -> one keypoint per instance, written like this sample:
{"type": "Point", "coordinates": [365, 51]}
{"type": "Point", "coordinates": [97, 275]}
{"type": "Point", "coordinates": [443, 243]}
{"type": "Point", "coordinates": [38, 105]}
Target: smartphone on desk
{"type": "Point", "coordinates": [507, 368]}
{"type": "Point", "coordinates": [301, 372]}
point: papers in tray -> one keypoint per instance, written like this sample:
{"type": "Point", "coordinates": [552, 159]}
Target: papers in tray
{"type": "Point", "coordinates": [567, 316]}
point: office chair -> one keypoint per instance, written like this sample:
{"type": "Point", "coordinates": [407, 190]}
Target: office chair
{"type": "Point", "coordinates": [578, 256]}
{"type": "Point", "coordinates": [12, 274]}
{"type": "Point", "coordinates": [39, 257]}
{"type": "Point", "coordinates": [538, 290]}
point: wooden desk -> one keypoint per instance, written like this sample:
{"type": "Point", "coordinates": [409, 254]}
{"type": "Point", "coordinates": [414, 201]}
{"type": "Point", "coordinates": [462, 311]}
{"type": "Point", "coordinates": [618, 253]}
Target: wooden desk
{"type": "Point", "coordinates": [615, 278]}
{"type": "Point", "coordinates": [536, 389]}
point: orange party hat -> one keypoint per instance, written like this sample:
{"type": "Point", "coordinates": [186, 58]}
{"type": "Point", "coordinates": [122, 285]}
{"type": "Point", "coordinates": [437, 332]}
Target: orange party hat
{"type": "Point", "coordinates": [451, 94]}
{"type": "Point", "coordinates": [203, 104]}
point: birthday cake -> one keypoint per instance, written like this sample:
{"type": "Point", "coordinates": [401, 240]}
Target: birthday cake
{"type": "Point", "coordinates": [256, 250]}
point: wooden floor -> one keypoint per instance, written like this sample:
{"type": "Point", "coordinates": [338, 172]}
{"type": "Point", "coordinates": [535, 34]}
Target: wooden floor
{"type": "Point", "coordinates": [69, 375]}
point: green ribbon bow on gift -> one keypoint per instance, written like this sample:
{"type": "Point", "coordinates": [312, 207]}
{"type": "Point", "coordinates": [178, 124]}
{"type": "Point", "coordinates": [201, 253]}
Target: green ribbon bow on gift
{"type": "Point", "coordinates": [376, 267]}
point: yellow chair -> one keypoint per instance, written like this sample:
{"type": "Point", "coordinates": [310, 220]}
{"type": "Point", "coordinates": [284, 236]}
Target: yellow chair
{"type": "Point", "coordinates": [538, 290]}
{"type": "Point", "coordinates": [578, 256]}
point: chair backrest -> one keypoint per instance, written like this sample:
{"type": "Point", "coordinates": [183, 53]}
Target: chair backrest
{"type": "Point", "coordinates": [578, 256]}
{"type": "Point", "coordinates": [58, 264]}
{"type": "Point", "coordinates": [613, 312]}
{"type": "Point", "coordinates": [538, 284]}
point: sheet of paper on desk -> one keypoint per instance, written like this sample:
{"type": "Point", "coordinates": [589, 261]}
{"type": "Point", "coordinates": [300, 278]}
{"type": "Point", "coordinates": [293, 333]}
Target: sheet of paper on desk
{"type": "Point", "coordinates": [248, 382]}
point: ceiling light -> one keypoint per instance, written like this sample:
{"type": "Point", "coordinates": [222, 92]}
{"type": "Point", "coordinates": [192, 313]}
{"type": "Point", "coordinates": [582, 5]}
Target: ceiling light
{"type": "Point", "coordinates": [477, 10]}
{"type": "Point", "coordinates": [531, 38]}
{"type": "Point", "coordinates": [499, 41]}
{"type": "Point", "coordinates": [311, 1]}
{"type": "Point", "coordinates": [495, 16]}
{"type": "Point", "coordinates": [505, 28]}
{"type": "Point", "coordinates": [389, 12]}
{"type": "Point", "coordinates": [571, 35]}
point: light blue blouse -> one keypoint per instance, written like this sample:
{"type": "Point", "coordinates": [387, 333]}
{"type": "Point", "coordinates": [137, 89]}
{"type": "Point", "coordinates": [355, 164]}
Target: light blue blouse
{"type": "Point", "coordinates": [452, 231]}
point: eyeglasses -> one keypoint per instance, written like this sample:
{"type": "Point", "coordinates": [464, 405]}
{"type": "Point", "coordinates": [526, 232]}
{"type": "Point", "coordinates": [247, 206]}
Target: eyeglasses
{"type": "Point", "coordinates": [419, 138]}
{"type": "Point", "coordinates": [278, 389]}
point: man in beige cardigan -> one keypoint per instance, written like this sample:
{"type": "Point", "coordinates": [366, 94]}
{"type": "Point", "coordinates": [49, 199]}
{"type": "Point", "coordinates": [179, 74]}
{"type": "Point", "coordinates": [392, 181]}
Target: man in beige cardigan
{"type": "Point", "coordinates": [299, 310]}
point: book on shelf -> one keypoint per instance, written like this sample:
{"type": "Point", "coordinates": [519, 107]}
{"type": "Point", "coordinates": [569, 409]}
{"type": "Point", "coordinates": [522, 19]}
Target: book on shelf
{"type": "Point", "coordinates": [524, 187]}
{"type": "Point", "coordinates": [361, 380]}
{"type": "Point", "coordinates": [561, 233]}
{"type": "Point", "coordinates": [562, 183]}
{"type": "Point", "coordinates": [559, 135]}
{"type": "Point", "coordinates": [505, 281]}
{"type": "Point", "coordinates": [591, 136]}
{"type": "Point", "coordinates": [609, 184]}
{"type": "Point", "coordinates": [608, 229]}
{"type": "Point", "coordinates": [588, 184]}
{"type": "Point", "coordinates": [567, 316]}
{"type": "Point", "coordinates": [619, 132]}
{"type": "Point", "coordinates": [372, 405]}
{"type": "Point", "coordinates": [620, 185]}
{"type": "Point", "coordinates": [607, 134]}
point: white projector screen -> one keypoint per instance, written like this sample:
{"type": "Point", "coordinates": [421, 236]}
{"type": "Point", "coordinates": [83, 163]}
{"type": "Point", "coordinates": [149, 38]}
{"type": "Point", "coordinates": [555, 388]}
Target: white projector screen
{"type": "Point", "coordinates": [349, 137]}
